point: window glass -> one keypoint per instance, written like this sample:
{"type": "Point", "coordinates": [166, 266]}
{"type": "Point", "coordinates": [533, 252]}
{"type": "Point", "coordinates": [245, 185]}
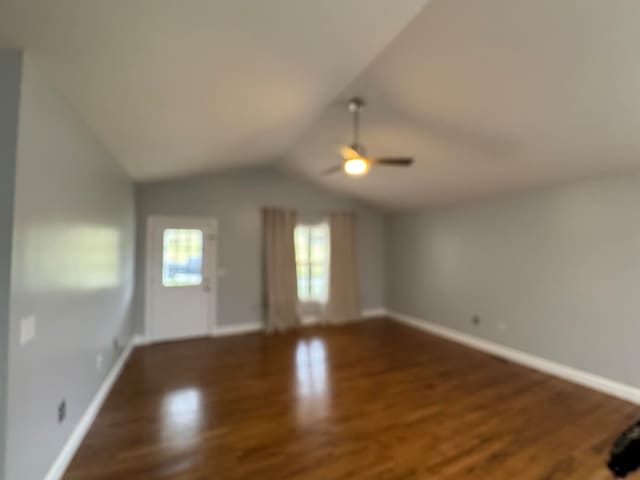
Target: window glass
{"type": "Point", "coordinates": [312, 262]}
{"type": "Point", "coordinates": [182, 257]}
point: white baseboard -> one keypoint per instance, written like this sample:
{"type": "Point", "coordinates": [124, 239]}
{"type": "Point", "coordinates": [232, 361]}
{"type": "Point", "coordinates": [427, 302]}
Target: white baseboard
{"type": "Point", "coordinates": [219, 331]}
{"type": "Point", "coordinates": [586, 379]}
{"type": "Point", "coordinates": [140, 341]}
{"type": "Point", "coordinates": [240, 329]}
{"type": "Point", "coordinates": [310, 319]}
{"type": "Point", "coordinates": [80, 430]}
{"type": "Point", "coordinates": [228, 330]}
{"type": "Point", "coordinates": [366, 314]}
{"type": "Point", "coordinates": [374, 312]}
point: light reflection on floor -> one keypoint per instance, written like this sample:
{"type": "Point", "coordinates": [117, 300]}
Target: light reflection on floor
{"type": "Point", "coordinates": [182, 416]}
{"type": "Point", "coordinates": [312, 380]}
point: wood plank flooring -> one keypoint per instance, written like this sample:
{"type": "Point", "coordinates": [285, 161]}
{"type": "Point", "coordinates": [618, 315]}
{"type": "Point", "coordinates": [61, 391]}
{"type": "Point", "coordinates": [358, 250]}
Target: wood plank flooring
{"type": "Point", "coordinates": [371, 400]}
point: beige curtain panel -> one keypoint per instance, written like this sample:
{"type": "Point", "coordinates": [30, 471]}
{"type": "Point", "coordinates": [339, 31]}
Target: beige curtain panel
{"type": "Point", "coordinates": [344, 287]}
{"type": "Point", "coordinates": [280, 269]}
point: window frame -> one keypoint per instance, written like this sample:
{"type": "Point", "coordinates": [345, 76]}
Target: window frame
{"type": "Point", "coordinates": [311, 299]}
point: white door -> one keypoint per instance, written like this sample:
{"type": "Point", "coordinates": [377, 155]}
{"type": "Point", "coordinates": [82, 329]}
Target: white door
{"type": "Point", "coordinates": [180, 285]}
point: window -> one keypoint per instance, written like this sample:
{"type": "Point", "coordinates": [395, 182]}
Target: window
{"type": "Point", "coordinates": [312, 262]}
{"type": "Point", "coordinates": [181, 257]}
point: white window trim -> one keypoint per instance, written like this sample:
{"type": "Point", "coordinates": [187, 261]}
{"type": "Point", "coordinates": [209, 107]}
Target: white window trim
{"type": "Point", "coordinates": [314, 302]}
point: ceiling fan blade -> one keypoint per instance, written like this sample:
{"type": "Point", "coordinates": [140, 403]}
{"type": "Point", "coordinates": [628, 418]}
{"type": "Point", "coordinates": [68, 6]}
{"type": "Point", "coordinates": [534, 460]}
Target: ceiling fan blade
{"type": "Point", "coordinates": [394, 161]}
{"type": "Point", "coordinates": [334, 169]}
{"type": "Point", "coordinates": [348, 152]}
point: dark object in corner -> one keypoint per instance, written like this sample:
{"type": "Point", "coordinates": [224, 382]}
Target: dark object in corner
{"type": "Point", "coordinates": [625, 453]}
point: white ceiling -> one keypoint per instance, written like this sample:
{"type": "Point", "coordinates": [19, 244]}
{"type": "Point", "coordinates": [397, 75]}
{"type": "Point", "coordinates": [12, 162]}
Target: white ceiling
{"type": "Point", "coordinates": [488, 95]}
{"type": "Point", "coordinates": [179, 86]}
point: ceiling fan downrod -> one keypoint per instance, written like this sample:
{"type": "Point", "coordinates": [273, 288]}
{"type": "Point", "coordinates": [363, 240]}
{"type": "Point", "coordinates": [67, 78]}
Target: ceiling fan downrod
{"type": "Point", "coordinates": [355, 106]}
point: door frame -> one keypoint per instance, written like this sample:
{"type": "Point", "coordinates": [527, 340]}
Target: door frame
{"type": "Point", "coordinates": [211, 243]}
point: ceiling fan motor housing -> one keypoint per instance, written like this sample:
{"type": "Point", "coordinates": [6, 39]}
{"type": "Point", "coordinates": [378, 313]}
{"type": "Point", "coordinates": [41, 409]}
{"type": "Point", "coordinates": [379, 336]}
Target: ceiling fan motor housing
{"type": "Point", "coordinates": [358, 147]}
{"type": "Point", "coordinates": [355, 104]}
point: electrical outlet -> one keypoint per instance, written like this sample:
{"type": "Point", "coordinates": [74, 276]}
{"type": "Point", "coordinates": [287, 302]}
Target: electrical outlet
{"type": "Point", "coordinates": [62, 411]}
{"type": "Point", "coordinates": [475, 320]}
{"type": "Point", "coordinates": [99, 362]}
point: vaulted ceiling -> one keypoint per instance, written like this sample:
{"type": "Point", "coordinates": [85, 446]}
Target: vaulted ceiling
{"type": "Point", "coordinates": [178, 86]}
{"type": "Point", "coordinates": [487, 95]}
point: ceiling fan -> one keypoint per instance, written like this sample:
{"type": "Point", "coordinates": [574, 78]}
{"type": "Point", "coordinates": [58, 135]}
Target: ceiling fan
{"type": "Point", "coordinates": [355, 160]}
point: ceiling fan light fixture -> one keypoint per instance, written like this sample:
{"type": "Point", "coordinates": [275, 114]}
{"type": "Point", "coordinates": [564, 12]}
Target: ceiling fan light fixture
{"type": "Point", "coordinates": [354, 157]}
{"type": "Point", "coordinates": [356, 166]}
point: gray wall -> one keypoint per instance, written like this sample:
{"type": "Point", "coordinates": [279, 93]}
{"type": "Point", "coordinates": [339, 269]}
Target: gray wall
{"type": "Point", "coordinates": [554, 272]}
{"type": "Point", "coordinates": [10, 72]}
{"type": "Point", "coordinates": [234, 198]}
{"type": "Point", "coordinates": [72, 267]}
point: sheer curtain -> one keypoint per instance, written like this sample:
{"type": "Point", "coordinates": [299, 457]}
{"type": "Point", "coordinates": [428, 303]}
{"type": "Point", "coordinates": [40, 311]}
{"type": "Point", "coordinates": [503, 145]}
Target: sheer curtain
{"type": "Point", "coordinates": [280, 269]}
{"type": "Point", "coordinates": [344, 287]}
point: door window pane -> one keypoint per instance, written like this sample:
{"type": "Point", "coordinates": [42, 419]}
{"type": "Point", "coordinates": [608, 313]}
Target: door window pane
{"type": "Point", "coordinates": [182, 257]}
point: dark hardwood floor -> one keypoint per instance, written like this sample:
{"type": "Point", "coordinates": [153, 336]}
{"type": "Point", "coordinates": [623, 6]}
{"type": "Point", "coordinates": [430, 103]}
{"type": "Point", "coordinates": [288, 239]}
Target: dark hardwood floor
{"type": "Point", "coordinates": [373, 400]}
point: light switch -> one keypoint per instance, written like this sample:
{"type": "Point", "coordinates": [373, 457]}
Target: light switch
{"type": "Point", "coordinates": [27, 329]}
